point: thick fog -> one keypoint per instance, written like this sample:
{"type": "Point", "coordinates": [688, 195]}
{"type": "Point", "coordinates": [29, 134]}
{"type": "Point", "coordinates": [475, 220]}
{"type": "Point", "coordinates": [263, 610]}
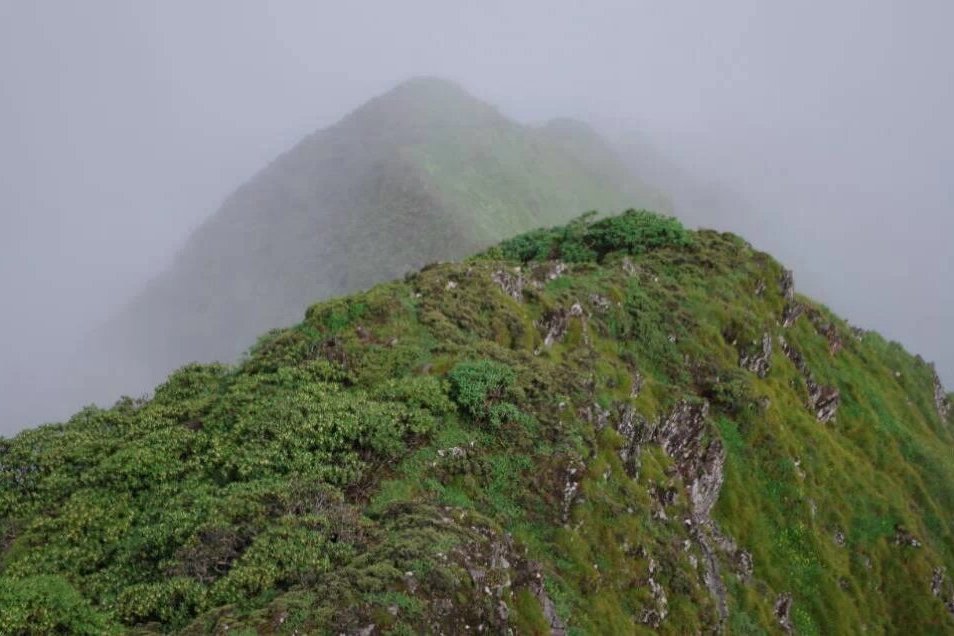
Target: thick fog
{"type": "Point", "coordinates": [823, 128]}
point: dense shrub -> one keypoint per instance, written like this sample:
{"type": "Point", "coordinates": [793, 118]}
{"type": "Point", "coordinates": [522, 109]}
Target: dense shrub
{"type": "Point", "coordinates": [46, 605]}
{"type": "Point", "coordinates": [634, 232]}
{"type": "Point", "coordinates": [171, 601]}
{"type": "Point", "coordinates": [478, 387]}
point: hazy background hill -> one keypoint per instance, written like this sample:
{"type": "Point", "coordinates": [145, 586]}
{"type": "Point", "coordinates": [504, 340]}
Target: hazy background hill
{"type": "Point", "coordinates": [124, 127]}
{"type": "Point", "coordinates": [425, 172]}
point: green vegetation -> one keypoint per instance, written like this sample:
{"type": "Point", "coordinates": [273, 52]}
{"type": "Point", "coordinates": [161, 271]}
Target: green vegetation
{"type": "Point", "coordinates": [504, 442]}
{"type": "Point", "coordinates": [633, 232]}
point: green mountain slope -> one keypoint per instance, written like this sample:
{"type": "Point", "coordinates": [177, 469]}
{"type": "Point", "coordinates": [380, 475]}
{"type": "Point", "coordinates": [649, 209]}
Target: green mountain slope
{"type": "Point", "coordinates": [422, 173]}
{"type": "Point", "coordinates": [609, 427]}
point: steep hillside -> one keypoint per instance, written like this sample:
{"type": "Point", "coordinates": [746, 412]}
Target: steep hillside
{"type": "Point", "coordinates": [423, 173]}
{"type": "Point", "coordinates": [609, 427]}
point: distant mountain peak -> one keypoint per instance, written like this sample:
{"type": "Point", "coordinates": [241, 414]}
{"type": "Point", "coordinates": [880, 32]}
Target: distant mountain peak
{"type": "Point", "coordinates": [427, 85]}
{"type": "Point", "coordinates": [426, 101]}
{"type": "Point", "coordinates": [423, 172]}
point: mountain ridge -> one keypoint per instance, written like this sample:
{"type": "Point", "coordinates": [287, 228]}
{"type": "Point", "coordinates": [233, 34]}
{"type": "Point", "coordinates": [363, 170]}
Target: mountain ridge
{"type": "Point", "coordinates": [423, 173]}
{"type": "Point", "coordinates": [612, 426]}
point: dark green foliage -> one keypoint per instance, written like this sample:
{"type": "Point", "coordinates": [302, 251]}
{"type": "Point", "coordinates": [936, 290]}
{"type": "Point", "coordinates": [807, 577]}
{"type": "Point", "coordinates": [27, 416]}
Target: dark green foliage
{"type": "Point", "coordinates": [633, 232]}
{"type": "Point", "coordinates": [47, 605]}
{"type": "Point", "coordinates": [401, 452]}
{"type": "Point", "coordinates": [480, 386]}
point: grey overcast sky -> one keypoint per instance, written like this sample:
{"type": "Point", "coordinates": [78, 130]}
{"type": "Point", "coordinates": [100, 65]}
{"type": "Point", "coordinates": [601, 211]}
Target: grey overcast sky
{"type": "Point", "coordinates": [123, 124]}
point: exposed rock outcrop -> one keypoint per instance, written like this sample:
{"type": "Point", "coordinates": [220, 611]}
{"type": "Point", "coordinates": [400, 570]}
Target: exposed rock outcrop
{"type": "Point", "coordinates": [791, 313]}
{"type": "Point", "coordinates": [759, 359]}
{"type": "Point", "coordinates": [941, 400]}
{"type": "Point", "coordinates": [794, 355]}
{"type": "Point", "coordinates": [629, 267]}
{"type": "Point", "coordinates": [787, 283]}
{"type": "Point", "coordinates": [903, 537]}
{"type": "Point", "coordinates": [635, 431]}
{"type": "Point", "coordinates": [637, 384]}
{"type": "Point", "coordinates": [551, 270]}
{"type": "Point", "coordinates": [595, 415]}
{"type": "Point", "coordinates": [823, 401]}
{"type": "Point", "coordinates": [655, 616]}
{"type": "Point", "coordinates": [793, 309]}
{"type": "Point", "coordinates": [600, 303]}
{"type": "Point", "coordinates": [701, 464]}
{"type": "Point", "coordinates": [557, 628]}
{"type": "Point", "coordinates": [555, 323]}
{"type": "Point", "coordinates": [783, 609]}
{"type": "Point", "coordinates": [826, 329]}
{"type": "Point", "coordinates": [511, 282]}
{"type": "Point", "coordinates": [575, 472]}
{"type": "Point", "coordinates": [937, 582]}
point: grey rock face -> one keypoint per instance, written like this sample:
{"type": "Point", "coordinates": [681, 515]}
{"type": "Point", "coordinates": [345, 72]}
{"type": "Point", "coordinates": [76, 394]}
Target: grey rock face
{"type": "Point", "coordinates": [783, 609]}
{"type": "Point", "coordinates": [595, 415]}
{"type": "Point", "coordinates": [941, 400]}
{"type": "Point", "coordinates": [600, 303]}
{"type": "Point", "coordinates": [701, 465]}
{"type": "Point", "coordinates": [787, 283]}
{"type": "Point", "coordinates": [539, 591]}
{"type": "Point", "coordinates": [759, 360]}
{"type": "Point", "coordinates": [824, 401]}
{"type": "Point", "coordinates": [937, 581]}
{"type": "Point", "coordinates": [637, 385]}
{"type": "Point", "coordinates": [549, 271]}
{"type": "Point", "coordinates": [512, 283]}
{"type": "Point", "coordinates": [794, 355]}
{"type": "Point", "coordinates": [574, 475]}
{"type": "Point", "coordinates": [635, 431]}
{"type": "Point", "coordinates": [903, 537]}
{"type": "Point", "coordinates": [629, 267]}
{"type": "Point", "coordinates": [791, 313]}
{"type": "Point", "coordinates": [555, 323]}
{"type": "Point", "coordinates": [626, 427]}
{"type": "Point", "coordinates": [654, 617]}
{"type": "Point", "coordinates": [827, 330]}
{"type": "Point", "coordinates": [793, 309]}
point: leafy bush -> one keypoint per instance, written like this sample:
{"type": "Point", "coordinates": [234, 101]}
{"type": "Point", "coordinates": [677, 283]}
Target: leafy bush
{"type": "Point", "coordinates": [581, 240]}
{"type": "Point", "coordinates": [478, 386]}
{"type": "Point", "coordinates": [46, 605]}
{"type": "Point", "coordinates": [422, 392]}
{"type": "Point", "coordinates": [171, 601]}
{"type": "Point", "coordinates": [634, 232]}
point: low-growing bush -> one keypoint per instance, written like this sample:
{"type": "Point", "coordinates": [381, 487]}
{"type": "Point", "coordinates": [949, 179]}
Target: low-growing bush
{"type": "Point", "coordinates": [478, 386]}
{"type": "Point", "coordinates": [46, 605]}
{"type": "Point", "coordinates": [581, 240]}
